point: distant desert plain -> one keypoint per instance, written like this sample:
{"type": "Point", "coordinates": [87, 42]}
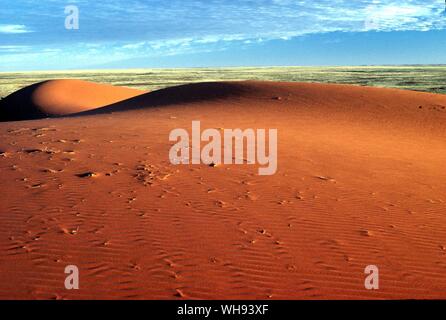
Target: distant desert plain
{"type": "Point", "coordinates": [360, 181]}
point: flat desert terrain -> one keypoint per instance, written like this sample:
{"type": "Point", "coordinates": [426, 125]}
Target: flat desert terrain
{"type": "Point", "coordinates": [360, 181]}
{"type": "Point", "coordinates": [427, 78]}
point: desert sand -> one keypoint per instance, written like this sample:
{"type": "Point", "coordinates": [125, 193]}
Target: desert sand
{"type": "Point", "coordinates": [360, 181]}
{"type": "Point", "coordinates": [61, 97]}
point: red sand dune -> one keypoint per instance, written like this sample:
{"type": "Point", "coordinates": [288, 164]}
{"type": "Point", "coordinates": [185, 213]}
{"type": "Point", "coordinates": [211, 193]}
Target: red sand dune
{"type": "Point", "coordinates": [360, 182]}
{"type": "Point", "coordinates": [60, 97]}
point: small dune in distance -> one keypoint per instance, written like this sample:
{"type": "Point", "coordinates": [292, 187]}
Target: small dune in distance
{"type": "Point", "coordinates": [360, 181]}
{"type": "Point", "coordinates": [60, 97]}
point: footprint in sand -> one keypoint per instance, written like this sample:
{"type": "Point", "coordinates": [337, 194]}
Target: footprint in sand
{"type": "Point", "coordinates": [106, 243]}
{"type": "Point", "coordinates": [220, 204]}
{"type": "Point", "coordinates": [49, 170]}
{"type": "Point", "coordinates": [179, 293]}
{"type": "Point", "coordinates": [134, 266]}
{"type": "Point", "coordinates": [366, 233]}
{"type": "Point", "coordinates": [32, 150]}
{"type": "Point", "coordinates": [250, 196]}
{"type": "Point", "coordinates": [88, 174]}
{"type": "Point", "coordinates": [72, 231]}
{"type": "Point", "coordinates": [325, 178]}
{"type": "Point", "coordinates": [36, 185]}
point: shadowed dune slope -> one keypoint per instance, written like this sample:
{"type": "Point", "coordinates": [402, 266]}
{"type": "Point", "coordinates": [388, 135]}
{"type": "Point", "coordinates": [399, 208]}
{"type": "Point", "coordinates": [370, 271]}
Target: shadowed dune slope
{"type": "Point", "coordinates": [60, 97]}
{"type": "Point", "coordinates": [378, 106]}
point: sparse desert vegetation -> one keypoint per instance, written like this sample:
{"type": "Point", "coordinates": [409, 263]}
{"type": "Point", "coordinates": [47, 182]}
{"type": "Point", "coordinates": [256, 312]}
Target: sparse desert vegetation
{"type": "Point", "coordinates": [419, 78]}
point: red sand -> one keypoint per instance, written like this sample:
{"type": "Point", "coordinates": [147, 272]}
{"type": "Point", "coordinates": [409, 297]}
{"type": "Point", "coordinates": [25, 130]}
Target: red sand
{"type": "Point", "coordinates": [360, 181]}
{"type": "Point", "coordinates": [61, 97]}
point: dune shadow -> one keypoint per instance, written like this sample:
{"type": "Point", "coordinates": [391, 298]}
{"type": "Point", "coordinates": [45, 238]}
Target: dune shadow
{"type": "Point", "coordinates": [182, 94]}
{"type": "Point", "coordinates": [20, 106]}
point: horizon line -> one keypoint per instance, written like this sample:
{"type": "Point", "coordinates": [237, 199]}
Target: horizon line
{"type": "Point", "coordinates": [231, 67]}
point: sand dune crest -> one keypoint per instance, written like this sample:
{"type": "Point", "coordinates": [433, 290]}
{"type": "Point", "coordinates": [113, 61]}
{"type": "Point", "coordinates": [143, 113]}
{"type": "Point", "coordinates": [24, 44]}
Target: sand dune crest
{"type": "Point", "coordinates": [60, 97]}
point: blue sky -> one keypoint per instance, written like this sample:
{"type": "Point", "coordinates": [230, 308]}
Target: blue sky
{"type": "Point", "coordinates": [192, 33]}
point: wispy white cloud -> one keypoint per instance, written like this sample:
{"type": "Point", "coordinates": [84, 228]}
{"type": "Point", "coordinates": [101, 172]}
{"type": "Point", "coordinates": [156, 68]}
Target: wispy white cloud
{"type": "Point", "coordinates": [14, 49]}
{"type": "Point", "coordinates": [13, 28]}
{"type": "Point", "coordinates": [403, 16]}
{"type": "Point", "coordinates": [118, 29]}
